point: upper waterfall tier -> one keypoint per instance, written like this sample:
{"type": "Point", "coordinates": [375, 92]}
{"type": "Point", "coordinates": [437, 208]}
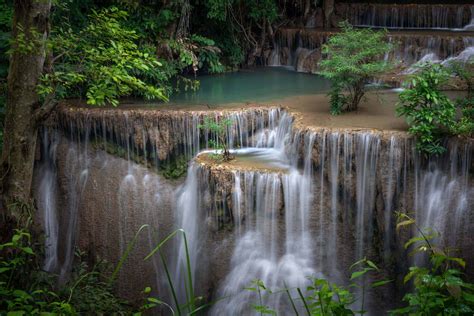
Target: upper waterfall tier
{"type": "Point", "coordinates": [301, 48]}
{"type": "Point", "coordinates": [426, 16]}
{"type": "Point", "coordinates": [158, 135]}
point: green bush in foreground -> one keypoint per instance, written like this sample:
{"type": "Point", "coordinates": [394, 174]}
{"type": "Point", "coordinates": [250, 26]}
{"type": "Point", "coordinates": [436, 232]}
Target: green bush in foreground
{"type": "Point", "coordinates": [27, 290]}
{"type": "Point", "coordinates": [438, 288]}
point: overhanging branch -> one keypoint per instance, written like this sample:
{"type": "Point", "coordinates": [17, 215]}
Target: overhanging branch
{"type": "Point", "coordinates": [45, 110]}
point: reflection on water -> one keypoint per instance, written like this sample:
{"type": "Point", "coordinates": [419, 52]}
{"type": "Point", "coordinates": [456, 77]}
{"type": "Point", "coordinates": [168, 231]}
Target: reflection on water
{"type": "Point", "coordinates": [257, 85]}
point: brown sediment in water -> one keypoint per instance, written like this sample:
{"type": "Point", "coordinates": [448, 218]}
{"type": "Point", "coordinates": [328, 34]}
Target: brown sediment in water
{"type": "Point", "coordinates": [237, 164]}
{"type": "Point", "coordinates": [376, 111]}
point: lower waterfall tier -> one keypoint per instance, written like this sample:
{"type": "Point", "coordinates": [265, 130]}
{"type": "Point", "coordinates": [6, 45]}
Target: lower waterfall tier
{"type": "Point", "coordinates": [296, 202]}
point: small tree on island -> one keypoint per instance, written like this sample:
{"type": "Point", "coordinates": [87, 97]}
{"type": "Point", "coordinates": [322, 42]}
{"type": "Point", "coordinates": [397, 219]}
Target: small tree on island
{"type": "Point", "coordinates": [219, 129]}
{"type": "Point", "coordinates": [354, 56]}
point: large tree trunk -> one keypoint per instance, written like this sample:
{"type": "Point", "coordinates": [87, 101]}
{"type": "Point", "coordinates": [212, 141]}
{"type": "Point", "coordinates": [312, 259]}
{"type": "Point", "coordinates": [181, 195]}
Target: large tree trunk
{"type": "Point", "coordinates": [31, 22]}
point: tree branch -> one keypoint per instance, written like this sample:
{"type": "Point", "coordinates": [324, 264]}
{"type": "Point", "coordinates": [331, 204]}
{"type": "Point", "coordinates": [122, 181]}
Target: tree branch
{"type": "Point", "coordinates": [45, 110]}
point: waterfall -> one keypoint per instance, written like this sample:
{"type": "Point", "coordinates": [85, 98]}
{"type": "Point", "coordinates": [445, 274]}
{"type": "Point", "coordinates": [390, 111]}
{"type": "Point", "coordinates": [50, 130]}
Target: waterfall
{"type": "Point", "coordinates": [263, 251]}
{"type": "Point", "coordinates": [392, 180]}
{"type": "Point", "coordinates": [77, 160]}
{"type": "Point", "coordinates": [190, 218]}
{"type": "Point", "coordinates": [417, 16]}
{"type": "Point", "coordinates": [470, 26]}
{"type": "Point", "coordinates": [366, 163]}
{"type": "Point", "coordinates": [328, 202]}
{"type": "Point", "coordinates": [47, 200]}
{"type": "Point", "coordinates": [301, 48]}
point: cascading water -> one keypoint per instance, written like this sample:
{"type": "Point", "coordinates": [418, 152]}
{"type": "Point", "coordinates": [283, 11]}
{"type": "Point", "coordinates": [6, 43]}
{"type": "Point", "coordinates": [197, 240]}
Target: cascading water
{"type": "Point", "coordinates": [263, 251]}
{"type": "Point", "coordinates": [47, 200]}
{"type": "Point", "coordinates": [417, 16]}
{"type": "Point", "coordinates": [310, 204]}
{"type": "Point", "coordinates": [420, 33]}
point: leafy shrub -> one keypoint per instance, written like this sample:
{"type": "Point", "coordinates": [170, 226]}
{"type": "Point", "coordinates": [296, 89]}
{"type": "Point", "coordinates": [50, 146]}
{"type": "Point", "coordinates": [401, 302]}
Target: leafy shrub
{"type": "Point", "coordinates": [208, 54]}
{"type": "Point", "coordinates": [439, 288]}
{"type": "Point", "coordinates": [322, 297]}
{"type": "Point", "coordinates": [464, 71]}
{"type": "Point", "coordinates": [175, 168]}
{"type": "Point", "coordinates": [354, 56]}
{"type": "Point", "coordinates": [103, 60]}
{"type": "Point", "coordinates": [21, 291]}
{"type": "Point", "coordinates": [27, 290]}
{"type": "Point", "coordinates": [429, 112]}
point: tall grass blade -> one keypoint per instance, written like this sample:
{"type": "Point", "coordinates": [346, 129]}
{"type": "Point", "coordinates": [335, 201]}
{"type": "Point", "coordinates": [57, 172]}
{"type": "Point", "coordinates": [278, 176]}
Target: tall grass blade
{"type": "Point", "coordinates": [291, 300]}
{"type": "Point", "coordinates": [189, 284]}
{"type": "Point", "coordinates": [304, 301]}
{"type": "Point", "coordinates": [125, 255]}
{"type": "Point", "coordinates": [190, 276]}
{"type": "Point", "coordinates": [170, 282]}
{"type": "Point", "coordinates": [164, 241]}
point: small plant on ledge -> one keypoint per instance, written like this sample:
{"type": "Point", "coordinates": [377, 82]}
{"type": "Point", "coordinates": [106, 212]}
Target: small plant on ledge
{"type": "Point", "coordinates": [218, 128]}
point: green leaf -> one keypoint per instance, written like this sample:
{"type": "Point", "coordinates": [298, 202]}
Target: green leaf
{"type": "Point", "coordinates": [358, 274]}
{"type": "Point", "coordinates": [405, 223]}
{"type": "Point", "coordinates": [381, 283]}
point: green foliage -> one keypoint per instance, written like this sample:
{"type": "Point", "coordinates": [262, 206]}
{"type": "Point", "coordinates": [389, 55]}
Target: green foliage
{"type": "Point", "coordinates": [262, 10]}
{"type": "Point", "coordinates": [21, 290]}
{"type": "Point", "coordinates": [232, 52]}
{"type": "Point", "coordinates": [338, 100]}
{"type": "Point", "coordinates": [430, 113]}
{"type": "Point", "coordinates": [465, 125]}
{"type": "Point", "coordinates": [89, 292]}
{"type": "Point", "coordinates": [6, 14]}
{"type": "Point", "coordinates": [208, 54]}
{"type": "Point", "coordinates": [193, 303]}
{"type": "Point", "coordinates": [439, 289]}
{"type": "Point", "coordinates": [256, 10]}
{"type": "Point", "coordinates": [358, 277]}
{"type": "Point", "coordinates": [196, 52]}
{"type": "Point", "coordinates": [325, 298]}
{"type": "Point", "coordinates": [103, 60]}
{"type": "Point", "coordinates": [465, 71]}
{"type": "Point", "coordinates": [175, 168]}
{"type": "Point", "coordinates": [218, 128]}
{"type": "Point", "coordinates": [354, 56]}
{"type": "Point", "coordinates": [217, 9]}
{"type": "Point", "coordinates": [259, 287]}
{"type": "Point", "coordinates": [26, 290]}
{"type": "Point", "coordinates": [26, 41]}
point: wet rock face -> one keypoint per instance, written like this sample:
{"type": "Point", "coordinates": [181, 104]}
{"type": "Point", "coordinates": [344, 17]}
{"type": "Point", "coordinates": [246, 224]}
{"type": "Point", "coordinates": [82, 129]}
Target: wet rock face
{"type": "Point", "coordinates": [107, 199]}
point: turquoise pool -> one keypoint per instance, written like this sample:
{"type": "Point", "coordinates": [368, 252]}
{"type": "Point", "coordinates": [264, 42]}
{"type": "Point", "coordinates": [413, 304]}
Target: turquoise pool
{"type": "Point", "coordinates": [256, 85]}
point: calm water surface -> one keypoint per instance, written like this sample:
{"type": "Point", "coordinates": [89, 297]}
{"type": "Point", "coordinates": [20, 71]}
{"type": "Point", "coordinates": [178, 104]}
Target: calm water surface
{"type": "Point", "coordinates": [257, 85]}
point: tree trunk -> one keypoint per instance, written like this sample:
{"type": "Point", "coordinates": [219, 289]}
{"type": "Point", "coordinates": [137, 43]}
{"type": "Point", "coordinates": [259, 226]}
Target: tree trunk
{"type": "Point", "coordinates": [358, 93]}
{"type": "Point", "coordinates": [31, 22]}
